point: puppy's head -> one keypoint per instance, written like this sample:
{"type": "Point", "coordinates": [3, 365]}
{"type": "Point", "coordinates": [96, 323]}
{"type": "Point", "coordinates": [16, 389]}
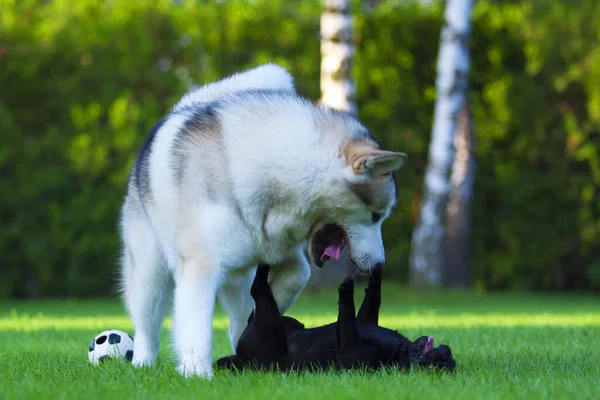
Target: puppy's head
{"type": "Point", "coordinates": [423, 353]}
{"type": "Point", "coordinates": [359, 196]}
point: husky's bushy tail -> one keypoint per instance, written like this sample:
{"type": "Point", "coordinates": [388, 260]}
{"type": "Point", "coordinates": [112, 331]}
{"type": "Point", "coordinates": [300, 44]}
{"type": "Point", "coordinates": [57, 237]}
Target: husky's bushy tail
{"type": "Point", "coordinates": [265, 77]}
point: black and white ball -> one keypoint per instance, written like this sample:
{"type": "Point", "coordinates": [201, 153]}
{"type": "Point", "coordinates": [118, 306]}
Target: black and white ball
{"type": "Point", "coordinates": [110, 344]}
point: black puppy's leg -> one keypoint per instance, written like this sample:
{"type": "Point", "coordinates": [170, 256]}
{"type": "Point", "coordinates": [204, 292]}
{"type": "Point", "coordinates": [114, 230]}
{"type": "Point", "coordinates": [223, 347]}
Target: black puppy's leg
{"type": "Point", "coordinates": [265, 341]}
{"type": "Point", "coordinates": [369, 309]}
{"type": "Point", "coordinates": [266, 311]}
{"type": "Point", "coordinates": [260, 287]}
{"type": "Point", "coordinates": [347, 331]}
{"type": "Point", "coordinates": [263, 344]}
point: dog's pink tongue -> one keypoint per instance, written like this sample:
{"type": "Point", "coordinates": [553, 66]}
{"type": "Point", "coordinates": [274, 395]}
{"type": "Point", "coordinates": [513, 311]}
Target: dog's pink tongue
{"type": "Point", "coordinates": [336, 244]}
{"type": "Point", "coordinates": [428, 345]}
{"type": "Point", "coordinates": [332, 251]}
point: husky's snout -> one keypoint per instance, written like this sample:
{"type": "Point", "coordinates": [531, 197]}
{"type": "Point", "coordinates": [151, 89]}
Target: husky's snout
{"type": "Point", "coordinates": [366, 247]}
{"type": "Point", "coordinates": [364, 243]}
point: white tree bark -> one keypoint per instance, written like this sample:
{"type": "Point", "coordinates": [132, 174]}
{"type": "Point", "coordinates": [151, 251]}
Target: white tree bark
{"type": "Point", "coordinates": [337, 87]}
{"type": "Point", "coordinates": [337, 91]}
{"type": "Point", "coordinates": [427, 255]}
{"type": "Point", "coordinates": [458, 252]}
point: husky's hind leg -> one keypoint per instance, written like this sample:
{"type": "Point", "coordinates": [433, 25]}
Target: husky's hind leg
{"type": "Point", "coordinates": [288, 279]}
{"type": "Point", "coordinates": [146, 286]}
{"type": "Point", "coordinates": [235, 298]}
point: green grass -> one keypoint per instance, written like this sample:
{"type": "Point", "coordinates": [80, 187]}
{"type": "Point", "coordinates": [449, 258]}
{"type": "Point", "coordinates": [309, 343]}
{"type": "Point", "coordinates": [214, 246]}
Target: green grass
{"type": "Point", "coordinates": [506, 346]}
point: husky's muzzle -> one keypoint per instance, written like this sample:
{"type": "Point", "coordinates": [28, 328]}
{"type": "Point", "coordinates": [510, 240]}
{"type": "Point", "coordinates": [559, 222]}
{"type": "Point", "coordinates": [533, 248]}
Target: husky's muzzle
{"type": "Point", "coordinates": [365, 245]}
{"type": "Point", "coordinates": [327, 243]}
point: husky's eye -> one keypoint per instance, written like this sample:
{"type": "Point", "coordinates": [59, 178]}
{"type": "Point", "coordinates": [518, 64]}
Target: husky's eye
{"type": "Point", "coordinates": [375, 217]}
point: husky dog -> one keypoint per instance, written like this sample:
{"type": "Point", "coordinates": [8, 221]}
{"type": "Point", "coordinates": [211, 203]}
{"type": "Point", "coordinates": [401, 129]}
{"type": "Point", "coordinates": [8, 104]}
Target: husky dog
{"type": "Point", "coordinates": [243, 171]}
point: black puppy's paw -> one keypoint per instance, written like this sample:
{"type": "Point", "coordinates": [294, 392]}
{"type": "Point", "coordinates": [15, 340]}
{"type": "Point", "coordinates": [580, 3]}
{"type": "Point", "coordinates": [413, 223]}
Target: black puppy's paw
{"type": "Point", "coordinates": [346, 287]}
{"type": "Point", "coordinates": [375, 277]}
{"type": "Point", "coordinates": [230, 362]}
{"type": "Point", "coordinates": [262, 273]}
{"type": "Point", "coordinates": [260, 280]}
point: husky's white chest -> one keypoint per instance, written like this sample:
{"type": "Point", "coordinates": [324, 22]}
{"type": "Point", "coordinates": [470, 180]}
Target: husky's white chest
{"type": "Point", "coordinates": [234, 242]}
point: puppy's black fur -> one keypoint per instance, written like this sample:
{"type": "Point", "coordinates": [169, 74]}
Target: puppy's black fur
{"type": "Point", "coordinates": [273, 341]}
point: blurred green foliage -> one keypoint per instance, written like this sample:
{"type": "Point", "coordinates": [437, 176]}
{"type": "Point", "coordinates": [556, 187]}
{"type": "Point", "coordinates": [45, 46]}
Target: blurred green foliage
{"type": "Point", "coordinates": [82, 82]}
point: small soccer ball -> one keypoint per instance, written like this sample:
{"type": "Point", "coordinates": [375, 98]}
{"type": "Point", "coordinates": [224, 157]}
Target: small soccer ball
{"type": "Point", "coordinates": [110, 344]}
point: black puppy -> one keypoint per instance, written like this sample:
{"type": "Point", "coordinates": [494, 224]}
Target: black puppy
{"type": "Point", "coordinates": [272, 341]}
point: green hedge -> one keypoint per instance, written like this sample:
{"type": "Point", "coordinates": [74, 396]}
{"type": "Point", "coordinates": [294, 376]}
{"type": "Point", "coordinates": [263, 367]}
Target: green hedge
{"type": "Point", "coordinates": [82, 83]}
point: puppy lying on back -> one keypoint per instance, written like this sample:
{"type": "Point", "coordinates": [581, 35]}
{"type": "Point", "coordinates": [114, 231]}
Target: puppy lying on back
{"type": "Point", "coordinates": [272, 341]}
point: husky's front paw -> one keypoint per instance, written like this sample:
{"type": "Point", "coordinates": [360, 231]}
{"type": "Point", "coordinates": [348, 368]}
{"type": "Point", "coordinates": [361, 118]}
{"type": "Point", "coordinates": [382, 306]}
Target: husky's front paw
{"type": "Point", "coordinates": [141, 362]}
{"type": "Point", "coordinates": [190, 370]}
{"type": "Point", "coordinates": [144, 354]}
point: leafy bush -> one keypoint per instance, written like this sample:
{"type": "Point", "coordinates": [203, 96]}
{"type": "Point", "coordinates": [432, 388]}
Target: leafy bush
{"type": "Point", "coordinates": [82, 83]}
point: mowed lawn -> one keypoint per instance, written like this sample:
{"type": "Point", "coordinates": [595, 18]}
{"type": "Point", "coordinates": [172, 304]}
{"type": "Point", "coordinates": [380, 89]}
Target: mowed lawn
{"type": "Point", "coordinates": [507, 346]}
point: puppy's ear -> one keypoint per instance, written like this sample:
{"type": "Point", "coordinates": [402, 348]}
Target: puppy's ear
{"type": "Point", "coordinates": [368, 160]}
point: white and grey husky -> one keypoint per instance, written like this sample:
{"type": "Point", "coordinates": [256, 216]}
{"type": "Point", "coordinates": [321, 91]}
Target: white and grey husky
{"type": "Point", "coordinates": [244, 171]}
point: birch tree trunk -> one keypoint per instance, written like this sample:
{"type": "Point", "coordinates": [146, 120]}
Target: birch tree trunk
{"type": "Point", "coordinates": [337, 91]}
{"type": "Point", "coordinates": [457, 268]}
{"type": "Point", "coordinates": [337, 87]}
{"type": "Point", "coordinates": [427, 253]}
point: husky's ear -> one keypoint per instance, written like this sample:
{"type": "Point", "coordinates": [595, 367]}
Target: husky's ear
{"type": "Point", "coordinates": [378, 162]}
